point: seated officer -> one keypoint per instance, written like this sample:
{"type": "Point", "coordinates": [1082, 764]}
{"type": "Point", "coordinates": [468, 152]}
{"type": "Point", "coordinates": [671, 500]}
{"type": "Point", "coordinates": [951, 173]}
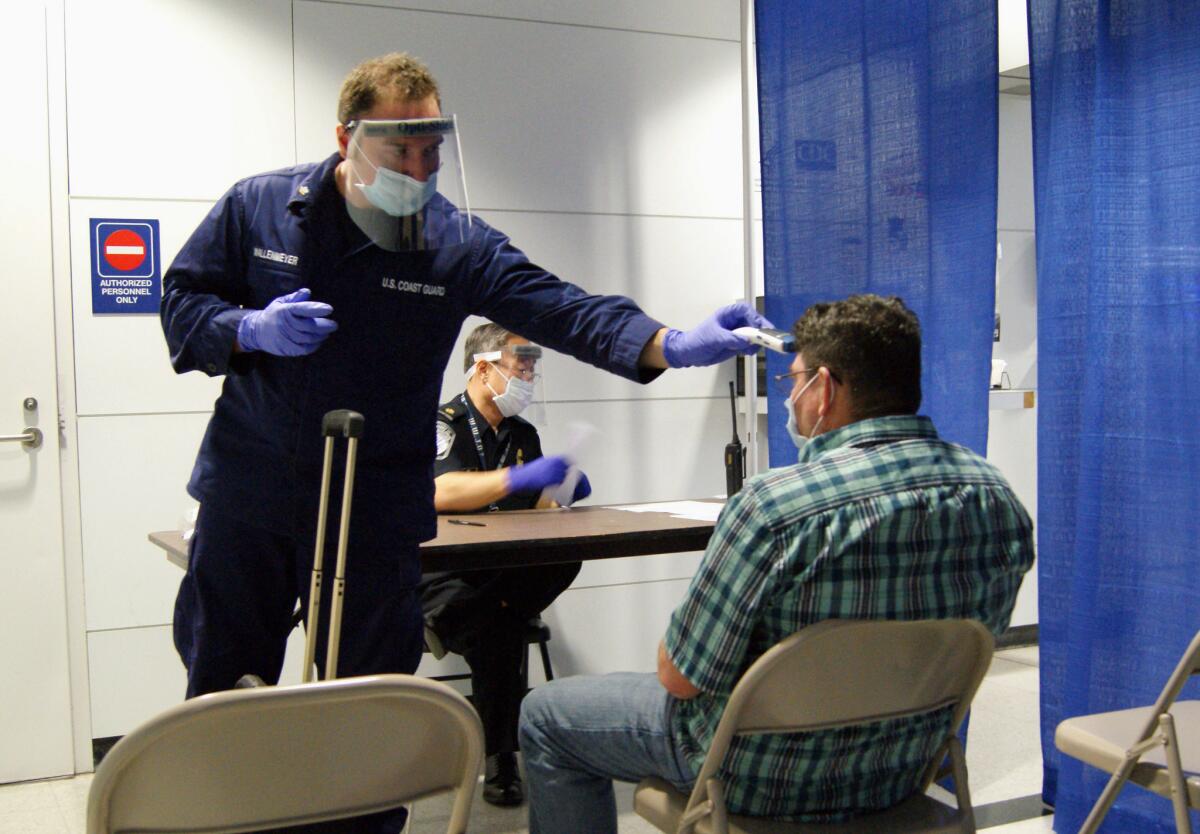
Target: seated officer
{"type": "Point", "coordinates": [488, 458]}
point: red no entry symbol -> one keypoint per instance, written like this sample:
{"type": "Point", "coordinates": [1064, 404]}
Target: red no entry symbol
{"type": "Point", "coordinates": [124, 249]}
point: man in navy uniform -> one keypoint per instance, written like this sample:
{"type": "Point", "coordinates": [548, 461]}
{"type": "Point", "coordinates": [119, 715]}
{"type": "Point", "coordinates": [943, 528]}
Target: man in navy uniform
{"type": "Point", "coordinates": [343, 284]}
{"type": "Point", "coordinates": [488, 459]}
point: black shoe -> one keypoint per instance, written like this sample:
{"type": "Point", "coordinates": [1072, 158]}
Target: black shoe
{"type": "Point", "coordinates": [502, 780]}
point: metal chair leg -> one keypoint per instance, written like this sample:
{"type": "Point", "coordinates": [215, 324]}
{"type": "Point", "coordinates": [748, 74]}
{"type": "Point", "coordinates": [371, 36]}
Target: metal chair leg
{"type": "Point", "coordinates": [546, 668]}
{"type": "Point", "coordinates": [1179, 794]}
{"type": "Point", "coordinates": [1107, 797]}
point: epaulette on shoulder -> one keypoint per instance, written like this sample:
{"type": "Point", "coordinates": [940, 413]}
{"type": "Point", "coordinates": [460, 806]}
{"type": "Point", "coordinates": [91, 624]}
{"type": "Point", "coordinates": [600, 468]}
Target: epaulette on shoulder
{"type": "Point", "coordinates": [452, 410]}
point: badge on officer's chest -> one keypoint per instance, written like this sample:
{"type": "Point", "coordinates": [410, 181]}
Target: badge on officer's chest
{"type": "Point", "coordinates": [445, 440]}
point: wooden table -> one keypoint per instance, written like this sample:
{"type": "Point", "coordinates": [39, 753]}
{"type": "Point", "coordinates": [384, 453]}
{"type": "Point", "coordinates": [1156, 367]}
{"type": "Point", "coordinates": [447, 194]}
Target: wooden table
{"type": "Point", "coordinates": [534, 537]}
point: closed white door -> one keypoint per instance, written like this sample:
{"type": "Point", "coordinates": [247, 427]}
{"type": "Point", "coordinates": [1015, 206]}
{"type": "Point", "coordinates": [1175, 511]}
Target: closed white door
{"type": "Point", "coordinates": [35, 699]}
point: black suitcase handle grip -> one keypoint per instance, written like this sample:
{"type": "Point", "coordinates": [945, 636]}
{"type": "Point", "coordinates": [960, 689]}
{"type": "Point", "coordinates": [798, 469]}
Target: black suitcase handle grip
{"type": "Point", "coordinates": [343, 423]}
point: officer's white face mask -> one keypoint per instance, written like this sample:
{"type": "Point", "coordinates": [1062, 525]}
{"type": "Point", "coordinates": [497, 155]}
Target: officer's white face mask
{"type": "Point", "coordinates": [397, 194]}
{"type": "Point", "coordinates": [793, 429]}
{"type": "Point", "coordinates": [517, 396]}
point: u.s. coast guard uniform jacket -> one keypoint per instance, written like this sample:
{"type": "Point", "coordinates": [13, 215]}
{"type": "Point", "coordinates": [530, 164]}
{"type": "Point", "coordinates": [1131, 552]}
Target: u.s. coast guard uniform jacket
{"type": "Point", "coordinates": [398, 315]}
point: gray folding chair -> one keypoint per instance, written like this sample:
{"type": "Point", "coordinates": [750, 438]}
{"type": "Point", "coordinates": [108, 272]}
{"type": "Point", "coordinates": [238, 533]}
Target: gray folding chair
{"type": "Point", "coordinates": [250, 759]}
{"type": "Point", "coordinates": [839, 673]}
{"type": "Point", "coordinates": [1156, 747]}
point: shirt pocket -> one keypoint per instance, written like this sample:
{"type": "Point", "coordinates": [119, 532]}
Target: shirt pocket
{"type": "Point", "coordinates": [268, 281]}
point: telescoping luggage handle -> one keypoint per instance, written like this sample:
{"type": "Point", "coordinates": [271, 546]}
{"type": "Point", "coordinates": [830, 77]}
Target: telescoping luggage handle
{"type": "Point", "coordinates": [348, 424]}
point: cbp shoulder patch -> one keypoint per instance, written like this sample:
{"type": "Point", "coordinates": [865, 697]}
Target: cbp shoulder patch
{"type": "Point", "coordinates": [445, 439]}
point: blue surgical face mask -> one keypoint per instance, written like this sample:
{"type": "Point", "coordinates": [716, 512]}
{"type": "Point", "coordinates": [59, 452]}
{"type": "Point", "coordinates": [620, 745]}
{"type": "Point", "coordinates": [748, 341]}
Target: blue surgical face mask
{"type": "Point", "coordinates": [397, 194]}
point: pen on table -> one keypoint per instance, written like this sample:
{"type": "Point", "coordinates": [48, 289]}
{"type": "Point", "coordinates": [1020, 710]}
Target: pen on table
{"type": "Point", "coordinates": [466, 523]}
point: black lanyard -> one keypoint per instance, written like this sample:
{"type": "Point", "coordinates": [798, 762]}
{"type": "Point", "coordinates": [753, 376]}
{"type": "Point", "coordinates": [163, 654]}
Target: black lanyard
{"type": "Point", "coordinates": [483, 465]}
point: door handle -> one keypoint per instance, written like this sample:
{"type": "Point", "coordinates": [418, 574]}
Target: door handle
{"type": "Point", "coordinates": [31, 438]}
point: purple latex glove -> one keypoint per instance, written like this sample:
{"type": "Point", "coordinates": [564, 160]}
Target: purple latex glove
{"type": "Point", "coordinates": [537, 474]}
{"type": "Point", "coordinates": [583, 488]}
{"type": "Point", "coordinates": [710, 341]}
{"type": "Point", "coordinates": [290, 326]}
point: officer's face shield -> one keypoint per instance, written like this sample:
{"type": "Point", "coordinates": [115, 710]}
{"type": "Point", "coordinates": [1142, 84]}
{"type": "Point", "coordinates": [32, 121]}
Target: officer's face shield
{"type": "Point", "coordinates": [515, 380]}
{"type": "Point", "coordinates": [407, 191]}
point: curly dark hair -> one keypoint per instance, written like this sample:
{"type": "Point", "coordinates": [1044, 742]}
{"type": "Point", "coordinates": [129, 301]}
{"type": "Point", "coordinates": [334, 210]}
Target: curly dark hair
{"type": "Point", "coordinates": [870, 344]}
{"type": "Point", "coordinates": [397, 75]}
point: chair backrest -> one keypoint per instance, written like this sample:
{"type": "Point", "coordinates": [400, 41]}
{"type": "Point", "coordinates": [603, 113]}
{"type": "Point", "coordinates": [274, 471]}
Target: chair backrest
{"type": "Point", "coordinates": [839, 673]}
{"type": "Point", "coordinates": [1187, 666]}
{"type": "Point", "coordinates": [259, 758]}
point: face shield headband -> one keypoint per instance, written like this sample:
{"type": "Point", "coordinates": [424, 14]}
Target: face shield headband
{"type": "Point", "coordinates": [406, 189]}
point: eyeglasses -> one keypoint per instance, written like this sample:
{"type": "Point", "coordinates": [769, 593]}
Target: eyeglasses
{"type": "Point", "coordinates": [526, 373]}
{"type": "Point", "coordinates": [785, 382]}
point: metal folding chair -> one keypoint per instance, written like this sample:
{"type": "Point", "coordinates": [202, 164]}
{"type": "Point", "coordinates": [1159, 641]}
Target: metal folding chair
{"type": "Point", "coordinates": [840, 673]}
{"type": "Point", "coordinates": [1155, 747]}
{"type": "Point", "coordinates": [269, 757]}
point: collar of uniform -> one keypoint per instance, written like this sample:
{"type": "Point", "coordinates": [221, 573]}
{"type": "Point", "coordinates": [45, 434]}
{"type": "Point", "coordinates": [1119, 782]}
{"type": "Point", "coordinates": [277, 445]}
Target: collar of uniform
{"type": "Point", "coordinates": [870, 432]}
{"type": "Point", "coordinates": [318, 178]}
{"type": "Point", "coordinates": [502, 428]}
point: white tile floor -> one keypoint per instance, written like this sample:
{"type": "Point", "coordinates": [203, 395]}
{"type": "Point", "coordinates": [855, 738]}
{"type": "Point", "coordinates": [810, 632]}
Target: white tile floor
{"type": "Point", "coordinates": [1003, 757]}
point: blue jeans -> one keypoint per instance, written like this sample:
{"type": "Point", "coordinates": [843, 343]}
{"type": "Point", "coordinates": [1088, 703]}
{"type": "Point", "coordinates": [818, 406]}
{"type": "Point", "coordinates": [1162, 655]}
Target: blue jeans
{"type": "Point", "coordinates": [578, 734]}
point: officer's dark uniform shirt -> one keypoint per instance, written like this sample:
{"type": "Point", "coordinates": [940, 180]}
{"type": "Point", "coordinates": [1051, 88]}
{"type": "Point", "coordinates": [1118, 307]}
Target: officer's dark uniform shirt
{"type": "Point", "coordinates": [398, 313]}
{"type": "Point", "coordinates": [514, 441]}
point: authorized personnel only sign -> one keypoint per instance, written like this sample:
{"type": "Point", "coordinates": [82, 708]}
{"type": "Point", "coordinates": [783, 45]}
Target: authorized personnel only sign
{"type": "Point", "coordinates": [126, 266]}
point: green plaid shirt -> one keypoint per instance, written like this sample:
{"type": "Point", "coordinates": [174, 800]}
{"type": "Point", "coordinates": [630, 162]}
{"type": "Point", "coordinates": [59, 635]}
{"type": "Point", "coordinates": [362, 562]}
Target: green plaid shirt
{"type": "Point", "coordinates": [880, 520]}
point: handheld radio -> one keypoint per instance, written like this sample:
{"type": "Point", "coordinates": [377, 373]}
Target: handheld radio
{"type": "Point", "coordinates": [735, 453]}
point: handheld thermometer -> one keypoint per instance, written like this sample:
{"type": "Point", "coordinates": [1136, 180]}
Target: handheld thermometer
{"type": "Point", "coordinates": [779, 341]}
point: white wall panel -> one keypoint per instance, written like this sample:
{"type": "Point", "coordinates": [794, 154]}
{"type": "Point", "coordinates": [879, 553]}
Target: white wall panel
{"type": "Point", "coordinates": [611, 629]}
{"type": "Point", "coordinates": [553, 118]}
{"type": "Point", "coordinates": [653, 450]}
{"type": "Point", "coordinates": [1013, 34]}
{"type": "Point", "coordinates": [1014, 209]}
{"type": "Point", "coordinates": [1012, 447]}
{"type": "Point", "coordinates": [133, 471]}
{"type": "Point", "coordinates": [121, 361]}
{"type": "Point", "coordinates": [1016, 301]}
{"type": "Point", "coordinates": [135, 674]}
{"type": "Point", "coordinates": [707, 19]}
{"type": "Point", "coordinates": [655, 568]}
{"type": "Point", "coordinates": [1012, 434]}
{"type": "Point", "coordinates": [677, 269]}
{"type": "Point", "coordinates": [173, 98]}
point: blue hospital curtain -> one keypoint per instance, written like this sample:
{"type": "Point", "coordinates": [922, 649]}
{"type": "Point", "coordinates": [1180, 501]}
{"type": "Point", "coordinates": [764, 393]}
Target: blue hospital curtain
{"type": "Point", "coordinates": [1116, 124]}
{"type": "Point", "coordinates": [879, 136]}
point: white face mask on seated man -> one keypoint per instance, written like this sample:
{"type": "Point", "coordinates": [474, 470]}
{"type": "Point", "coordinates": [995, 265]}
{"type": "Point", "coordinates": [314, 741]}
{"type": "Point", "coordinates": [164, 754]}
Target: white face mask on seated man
{"type": "Point", "coordinates": [793, 428]}
{"type": "Point", "coordinates": [517, 365]}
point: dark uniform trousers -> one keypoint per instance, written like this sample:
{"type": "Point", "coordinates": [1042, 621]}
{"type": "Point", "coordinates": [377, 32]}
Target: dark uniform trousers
{"type": "Point", "coordinates": [381, 621]}
{"type": "Point", "coordinates": [220, 642]}
{"type": "Point", "coordinates": [481, 615]}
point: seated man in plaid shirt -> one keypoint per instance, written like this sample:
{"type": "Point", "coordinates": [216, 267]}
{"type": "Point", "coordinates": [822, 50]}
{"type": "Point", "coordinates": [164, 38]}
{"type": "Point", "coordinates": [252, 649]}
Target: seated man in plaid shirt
{"type": "Point", "coordinates": [879, 519]}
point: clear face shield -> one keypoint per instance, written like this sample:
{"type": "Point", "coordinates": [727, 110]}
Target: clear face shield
{"type": "Point", "coordinates": [407, 190]}
{"type": "Point", "coordinates": [519, 388]}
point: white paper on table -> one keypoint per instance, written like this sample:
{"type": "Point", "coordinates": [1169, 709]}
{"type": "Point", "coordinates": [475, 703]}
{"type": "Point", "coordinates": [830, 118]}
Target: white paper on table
{"type": "Point", "coordinates": [696, 510]}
